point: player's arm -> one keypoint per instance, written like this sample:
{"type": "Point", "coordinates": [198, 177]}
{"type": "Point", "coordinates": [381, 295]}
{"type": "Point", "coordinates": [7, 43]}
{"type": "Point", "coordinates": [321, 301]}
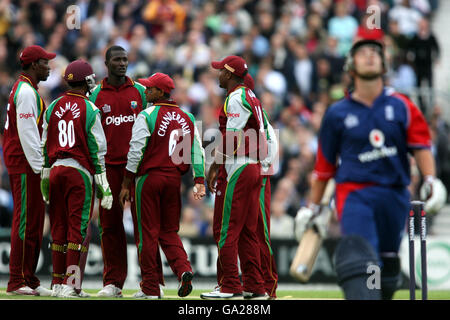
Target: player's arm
{"type": "Point", "coordinates": [324, 169]}
{"type": "Point", "coordinates": [425, 162]}
{"type": "Point", "coordinates": [27, 126]}
{"type": "Point", "coordinates": [317, 190]}
{"type": "Point", "coordinates": [237, 117]}
{"type": "Point", "coordinates": [272, 144]}
{"type": "Point", "coordinates": [96, 141]}
{"type": "Point", "coordinates": [326, 158]}
{"type": "Point", "coordinates": [198, 163]}
{"type": "Point", "coordinates": [45, 171]}
{"type": "Point", "coordinates": [432, 191]}
{"type": "Point", "coordinates": [139, 140]}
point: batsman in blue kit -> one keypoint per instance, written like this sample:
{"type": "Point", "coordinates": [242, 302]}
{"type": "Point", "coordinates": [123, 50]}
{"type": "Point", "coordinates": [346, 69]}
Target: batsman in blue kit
{"type": "Point", "coordinates": [365, 144]}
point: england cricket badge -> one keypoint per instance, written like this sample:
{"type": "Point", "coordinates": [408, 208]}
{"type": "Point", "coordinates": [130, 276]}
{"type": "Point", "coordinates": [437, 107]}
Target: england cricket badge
{"type": "Point", "coordinates": [133, 104]}
{"type": "Point", "coordinates": [376, 138]}
{"type": "Point", "coordinates": [106, 108]}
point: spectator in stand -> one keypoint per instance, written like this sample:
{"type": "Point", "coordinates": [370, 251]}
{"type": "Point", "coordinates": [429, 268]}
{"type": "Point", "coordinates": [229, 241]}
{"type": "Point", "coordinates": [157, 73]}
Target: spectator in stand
{"type": "Point", "coordinates": [406, 16]}
{"type": "Point", "coordinates": [225, 43]}
{"type": "Point", "coordinates": [281, 224]}
{"type": "Point", "coordinates": [400, 40]}
{"type": "Point", "coordinates": [424, 51]}
{"type": "Point", "coordinates": [159, 12]}
{"type": "Point", "coordinates": [343, 27]}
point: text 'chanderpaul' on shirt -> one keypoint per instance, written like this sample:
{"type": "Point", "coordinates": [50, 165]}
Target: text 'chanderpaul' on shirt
{"type": "Point", "coordinates": [165, 140]}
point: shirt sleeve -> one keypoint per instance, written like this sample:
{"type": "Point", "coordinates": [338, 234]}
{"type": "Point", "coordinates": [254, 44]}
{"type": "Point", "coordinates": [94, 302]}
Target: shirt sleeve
{"type": "Point", "coordinates": [417, 131]}
{"type": "Point", "coordinates": [27, 127]}
{"type": "Point", "coordinates": [197, 155]}
{"type": "Point", "coordinates": [138, 143]}
{"type": "Point", "coordinates": [237, 116]}
{"type": "Point", "coordinates": [96, 139]}
{"type": "Point", "coordinates": [46, 162]}
{"type": "Point", "coordinates": [327, 152]}
{"type": "Point", "coordinates": [272, 144]}
{"type": "Point", "coordinates": [237, 113]}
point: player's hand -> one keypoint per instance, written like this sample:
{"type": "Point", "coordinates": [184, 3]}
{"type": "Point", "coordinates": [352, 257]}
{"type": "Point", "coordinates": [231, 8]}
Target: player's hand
{"type": "Point", "coordinates": [212, 177]}
{"type": "Point", "coordinates": [302, 219]}
{"type": "Point", "coordinates": [199, 191]}
{"type": "Point", "coordinates": [124, 196]}
{"type": "Point", "coordinates": [434, 193]}
{"type": "Point", "coordinates": [45, 184]}
{"type": "Point", "coordinates": [311, 216]}
{"type": "Point", "coordinates": [103, 190]}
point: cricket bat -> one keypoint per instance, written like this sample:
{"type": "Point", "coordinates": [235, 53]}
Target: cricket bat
{"type": "Point", "coordinates": [309, 246]}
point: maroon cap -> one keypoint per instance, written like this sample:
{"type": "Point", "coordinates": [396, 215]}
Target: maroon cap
{"type": "Point", "coordinates": [34, 53]}
{"type": "Point", "coordinates": [234, 64]}
{"type": "Point", "coordinates": [77, 71]}
{"type": "Point", "coordinates": [158, 80]}
{"type": "Point", "coordinates": [249, 82]}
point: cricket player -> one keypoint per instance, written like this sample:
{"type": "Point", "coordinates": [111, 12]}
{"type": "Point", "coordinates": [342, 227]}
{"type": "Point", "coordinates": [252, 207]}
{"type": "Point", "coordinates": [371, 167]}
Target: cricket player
{"type": "Point", "coordinates": [268, 264]}
{"type": "Point", "coordinates": [364, 143]}
{"type": "Point", "coordinates": [237, 171]}
{"type": "Point", "coordinates": [23, 160]}
{"type": "Point", "coordinates": [120, 100]}
{"type": "Point", "coordinates": [164, 143]}
{"type": "Point", "coordinates": [74, 148]}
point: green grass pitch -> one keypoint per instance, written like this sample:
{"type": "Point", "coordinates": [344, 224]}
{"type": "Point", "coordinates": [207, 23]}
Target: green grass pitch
{"type": "Point", "coordinates": [171, 294]}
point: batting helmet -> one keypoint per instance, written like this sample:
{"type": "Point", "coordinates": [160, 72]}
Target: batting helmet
{"type": "Point", "coordinates": [349, 63]}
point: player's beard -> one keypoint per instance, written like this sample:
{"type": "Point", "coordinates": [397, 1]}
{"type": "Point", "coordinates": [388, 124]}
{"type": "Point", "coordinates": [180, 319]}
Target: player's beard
{"type": "Point", "coordinates": [368, 76]}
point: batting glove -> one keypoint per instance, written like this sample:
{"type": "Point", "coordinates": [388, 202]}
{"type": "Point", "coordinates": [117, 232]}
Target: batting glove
{"type": "Point", "coordinates": [312, 216]}
{"type": "Point", "coordinates": [103, 190]}
{"type": "Point", "coordinates": [434, 193]}
{"type": "Point", "coordinates": [45, 184]}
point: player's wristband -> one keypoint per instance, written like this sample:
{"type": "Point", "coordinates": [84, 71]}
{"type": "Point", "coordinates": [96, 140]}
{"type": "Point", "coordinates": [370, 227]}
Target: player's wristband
{"type": "Point", "coordinates": [199, 180]}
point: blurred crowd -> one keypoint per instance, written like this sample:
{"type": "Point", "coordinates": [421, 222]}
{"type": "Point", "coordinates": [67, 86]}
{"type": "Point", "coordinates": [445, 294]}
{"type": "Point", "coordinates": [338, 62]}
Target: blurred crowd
{"type": "Point", "coordinates": [295, 50]}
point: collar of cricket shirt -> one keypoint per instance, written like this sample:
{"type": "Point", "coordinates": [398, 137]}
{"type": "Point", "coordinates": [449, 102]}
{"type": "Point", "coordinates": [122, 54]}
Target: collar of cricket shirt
{"type": "Point", "coordinates": [240, 85]}
{"type": "Point", "coordinates": [169, 103]}
{"type": "Point", "coordinates": [106, 85]}
{"type": "Point", "coordinates": [26, 77]}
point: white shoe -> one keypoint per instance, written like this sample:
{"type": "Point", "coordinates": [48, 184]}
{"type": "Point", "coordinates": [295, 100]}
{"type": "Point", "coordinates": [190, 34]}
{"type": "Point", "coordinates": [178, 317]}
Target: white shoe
{"type": "Point", "coordinates": [216, 294]}
{"type": "Point", "coordinates": [43, 292]}
{"type": "Point", "coordinates": [161, 292]}
{"type": "Point", "coordinates": [142, 295]}
{"type": "Point", "coordinates": [56, 290]}
{"type": "Point", "coordinates": [68, 292]}
{"type": "Point", "coordinates": [255, 296]}
{"type": "Point", "coordinates": [23, 291]}
{"type": "Point", "coordinates": [111, 291]}
{"type": "Point", "coordinates": [83, 294]}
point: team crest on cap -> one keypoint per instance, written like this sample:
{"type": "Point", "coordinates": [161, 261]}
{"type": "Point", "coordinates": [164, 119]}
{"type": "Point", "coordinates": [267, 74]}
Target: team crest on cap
{"type": "Point", "coordinates": [70, 76]}
{"type": "Point", "coordinates": [376, 138]}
